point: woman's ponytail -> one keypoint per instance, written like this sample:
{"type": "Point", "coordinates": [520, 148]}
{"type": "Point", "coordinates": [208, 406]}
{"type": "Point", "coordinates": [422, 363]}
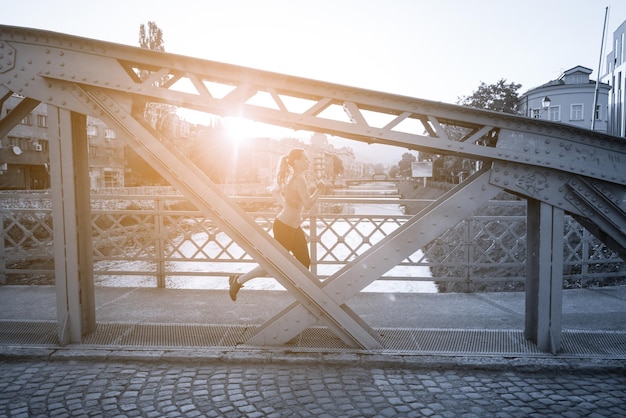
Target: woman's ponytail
{"type": "Point", "coordinates": [285, 169]}
{"type": "Point", "coordinates": [283, 173]}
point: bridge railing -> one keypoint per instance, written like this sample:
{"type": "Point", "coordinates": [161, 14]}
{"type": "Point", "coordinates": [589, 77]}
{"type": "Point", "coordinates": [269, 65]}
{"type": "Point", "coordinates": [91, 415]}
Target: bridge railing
{"type": "Point", "coordinates": [158, 240]}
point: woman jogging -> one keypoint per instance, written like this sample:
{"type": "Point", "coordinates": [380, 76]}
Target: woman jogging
{"type": "Point", "coordinates": [292, 191]}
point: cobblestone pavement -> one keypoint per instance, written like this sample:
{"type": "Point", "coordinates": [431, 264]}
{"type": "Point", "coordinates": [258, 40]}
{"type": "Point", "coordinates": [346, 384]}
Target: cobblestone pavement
{"type": "Point", "coordinates": [35, 388]}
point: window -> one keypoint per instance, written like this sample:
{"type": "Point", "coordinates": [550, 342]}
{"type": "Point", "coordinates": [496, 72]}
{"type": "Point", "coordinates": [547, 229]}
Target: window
{"type": "Point", "coordinates": [28, 120]}
{"type": "Point", "coordinates": [578, 79]}
{"type": "Point", "coordinates": [554, 113]}
{"type": "Point", "coordinates": [111, 179]}
{"type": "Point", "coordinates": [598, 114]}
{"type": "Point", "coordinates": [92, 131]}
{"type": "Point", "coordinates": [109, 134]}
{"type": "Point", "coordinates": [42, 121]}
{"type": "Point", "coordinates": [622, 50]}
{"type": "Point", "coordinates": [536, 113]}
{"type": "Point", "coordinates": [576, 111]}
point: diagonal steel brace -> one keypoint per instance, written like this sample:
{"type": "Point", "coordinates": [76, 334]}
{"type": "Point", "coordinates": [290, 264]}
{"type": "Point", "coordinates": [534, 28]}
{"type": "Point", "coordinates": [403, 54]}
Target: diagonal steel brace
{"type": "Point", "coordinates": [434, 220]}
{"type": "Point", "coordinates": [203, 193]}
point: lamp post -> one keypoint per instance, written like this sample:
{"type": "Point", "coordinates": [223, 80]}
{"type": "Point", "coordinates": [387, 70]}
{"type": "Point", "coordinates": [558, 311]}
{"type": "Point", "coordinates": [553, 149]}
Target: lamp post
{"type": "Point", "coordinates": [545, 102]}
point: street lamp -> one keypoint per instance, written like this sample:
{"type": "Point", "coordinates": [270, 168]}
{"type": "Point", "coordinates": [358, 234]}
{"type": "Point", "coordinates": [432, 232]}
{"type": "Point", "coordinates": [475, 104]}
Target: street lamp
{"type": "Point", "coordinates": [546, 102]}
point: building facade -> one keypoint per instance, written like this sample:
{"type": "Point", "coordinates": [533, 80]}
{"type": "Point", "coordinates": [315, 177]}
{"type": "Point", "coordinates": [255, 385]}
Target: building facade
{"type": "Point", "coordinates": [25, 153]}
{"type": "Point", "coordinates": [25, 161]}
{"type": "Point", "coordinates": [24, 157]}
{"type": "Point", "coordinates": [573, 99]}
{"type": "Point", "coordinates": [615, 75]}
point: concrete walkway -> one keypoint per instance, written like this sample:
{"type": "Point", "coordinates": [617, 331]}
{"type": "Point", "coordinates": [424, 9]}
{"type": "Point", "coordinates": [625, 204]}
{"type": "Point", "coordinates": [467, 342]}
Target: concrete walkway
{"type": "Point", "coordinates": [594, 320]}
{"type": "Point", "coordinates": [583, 309]}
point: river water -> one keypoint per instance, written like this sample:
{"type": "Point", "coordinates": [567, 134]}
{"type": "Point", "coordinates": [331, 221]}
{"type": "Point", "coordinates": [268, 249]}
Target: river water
{"type": "Point", "coordinates": [207, 282]}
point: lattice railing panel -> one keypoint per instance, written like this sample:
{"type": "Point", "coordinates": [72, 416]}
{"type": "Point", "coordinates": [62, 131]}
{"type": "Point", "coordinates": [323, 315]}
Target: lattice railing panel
{"type": "Point", "coordinates": [500, 241]}
{"type": "Point", "coordinates": [343, 238]}
{"type": "Point", "coordinates": [194, 238]}
{"type": "Point", "coordinates": [27, 234]}
{"type": "Point", "coordinates": [130, 235]}
{"type": "Point", "coordinates": [151, 237]}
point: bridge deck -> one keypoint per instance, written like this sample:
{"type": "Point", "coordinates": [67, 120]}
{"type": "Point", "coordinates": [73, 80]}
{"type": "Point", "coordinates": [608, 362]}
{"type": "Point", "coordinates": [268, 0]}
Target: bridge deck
{"type": "Point", "coordinates": [452, 324]}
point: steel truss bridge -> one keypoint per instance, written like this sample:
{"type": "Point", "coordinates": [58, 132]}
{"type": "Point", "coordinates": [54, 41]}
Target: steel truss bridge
{"type": "Point", "coordinates": [557, 168]}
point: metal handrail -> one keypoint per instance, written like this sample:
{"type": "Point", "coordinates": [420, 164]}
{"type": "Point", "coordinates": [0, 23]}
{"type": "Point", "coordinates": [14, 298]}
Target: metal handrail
{"type": "Point", "coordinates": [160, 236]}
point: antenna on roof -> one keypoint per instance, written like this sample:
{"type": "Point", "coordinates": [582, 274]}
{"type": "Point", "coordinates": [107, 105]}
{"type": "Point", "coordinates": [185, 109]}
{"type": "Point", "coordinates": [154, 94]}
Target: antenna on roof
{"type": "Point", "coordinates": [595, 94]}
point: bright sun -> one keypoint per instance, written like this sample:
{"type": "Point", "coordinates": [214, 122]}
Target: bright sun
{"type": "Point", "coordinates": [241, 129]}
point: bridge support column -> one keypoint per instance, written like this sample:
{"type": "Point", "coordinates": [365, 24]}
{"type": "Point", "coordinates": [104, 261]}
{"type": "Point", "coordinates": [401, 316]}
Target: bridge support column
{"type": "Point", "coordinates": [544, 275]}
{"type": "Point", "coordinates": [71, 217]}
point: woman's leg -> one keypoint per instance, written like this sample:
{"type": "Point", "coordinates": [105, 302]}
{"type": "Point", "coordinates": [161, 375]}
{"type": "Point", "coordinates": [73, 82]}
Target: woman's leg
{"type": "Point", "coordinates": [294, 240]}
{"type": "Point", "coordinates": [300, 247]}
{"type": "Point", "coordinates": [258, 271]}
{"type": "Point", "coordinates": [236, 281]}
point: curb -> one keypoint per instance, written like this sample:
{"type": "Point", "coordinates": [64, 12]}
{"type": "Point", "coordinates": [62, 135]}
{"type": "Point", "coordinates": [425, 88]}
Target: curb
{"type": "Point", "coordinates": [269, 356]}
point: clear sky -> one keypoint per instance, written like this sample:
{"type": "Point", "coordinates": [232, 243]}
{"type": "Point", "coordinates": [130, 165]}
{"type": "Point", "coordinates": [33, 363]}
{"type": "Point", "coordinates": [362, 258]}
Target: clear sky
{"type": "Point", "coordinates": [431, 49]}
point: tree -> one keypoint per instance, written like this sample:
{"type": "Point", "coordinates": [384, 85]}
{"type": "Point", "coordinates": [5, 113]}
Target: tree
{"type": "Point", "coordinates": [404, 165]}
{"type": "Point", "coordinates": [501, 97]}
{"type": "Point", "coordinates": [338, 168]}
{"type": "Point", "coordinates": [158, 115]}
{"type": "Point", "coordinates": [153, 39]}
{"type": "Point", "coordinates": [393, 171]}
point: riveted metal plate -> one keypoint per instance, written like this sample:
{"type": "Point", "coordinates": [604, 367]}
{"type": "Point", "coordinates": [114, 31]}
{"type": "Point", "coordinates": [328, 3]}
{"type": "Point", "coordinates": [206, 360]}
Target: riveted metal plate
{"type": "Point", "coordinates": [540, 183]}
{"type": "Point", "coordinates": [7, 57]}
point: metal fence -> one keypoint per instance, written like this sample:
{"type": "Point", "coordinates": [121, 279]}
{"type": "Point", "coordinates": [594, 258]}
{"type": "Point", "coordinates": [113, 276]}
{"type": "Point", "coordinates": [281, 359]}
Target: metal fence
{"type": "Point", "coordinates": [155, 240]}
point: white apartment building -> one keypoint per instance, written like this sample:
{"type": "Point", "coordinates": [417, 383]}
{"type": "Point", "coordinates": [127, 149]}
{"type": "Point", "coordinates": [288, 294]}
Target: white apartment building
{"type": "Point", "coordinates": [616, 76]}
{"type": "Point", "coordinates": [573, 99]}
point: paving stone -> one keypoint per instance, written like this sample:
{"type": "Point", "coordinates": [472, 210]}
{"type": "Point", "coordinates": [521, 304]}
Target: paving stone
{"type": "Point", "coordinates": [157, 388]}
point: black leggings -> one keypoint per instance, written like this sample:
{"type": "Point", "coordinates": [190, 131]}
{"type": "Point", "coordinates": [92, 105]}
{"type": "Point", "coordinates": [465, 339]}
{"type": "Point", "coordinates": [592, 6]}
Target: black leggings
{"type": "Point", "coordinates": [294, 241]}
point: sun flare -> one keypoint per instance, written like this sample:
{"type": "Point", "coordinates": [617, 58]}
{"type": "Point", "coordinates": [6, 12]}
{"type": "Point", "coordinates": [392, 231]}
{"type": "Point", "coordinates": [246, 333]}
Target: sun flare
{"type": "Point", "coordinates": [241, 129]}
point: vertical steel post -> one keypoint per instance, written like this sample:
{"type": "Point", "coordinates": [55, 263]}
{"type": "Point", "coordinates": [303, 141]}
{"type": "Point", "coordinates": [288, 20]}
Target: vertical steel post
{"type": "Point", "coordinates": [160, 244]}
{"type": "Point", "coordinates": [3, 264]}
{"type": "Point", "coordinates": [585, 259]}
{"type": "Point", "coordinates": [313, 238]}
{"type": "Point", "coordinates": [469, 256]}
{"type": "Point", "coordinates": [71, 216]}
{"type": "Point", "coordinates": [80, 152]}
{"type": "Point", "coordinates": [544, 275]}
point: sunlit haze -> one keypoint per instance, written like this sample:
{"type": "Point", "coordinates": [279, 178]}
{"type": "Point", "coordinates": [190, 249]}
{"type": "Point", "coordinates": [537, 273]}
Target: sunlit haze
{"type": "Point", "coordinates": [436, 50]}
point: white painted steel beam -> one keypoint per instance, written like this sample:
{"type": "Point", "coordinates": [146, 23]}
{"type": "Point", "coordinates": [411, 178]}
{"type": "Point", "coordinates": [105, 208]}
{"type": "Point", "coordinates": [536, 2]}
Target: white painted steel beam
{"type": "Point", "coordinates": [7, 122]}
{"type": "Point", "coordinates": [544, 275]}
{"type": "Point", "coordinates": [596, 202]}
{"type": "Point", "coordinates": [299, 103]}
{"type": "Point", "coordinates": [71, 217]}
{"type": "Point", "coordinates": [418, 231]}
{"type": "Point", "coordinates": [205, 195]}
